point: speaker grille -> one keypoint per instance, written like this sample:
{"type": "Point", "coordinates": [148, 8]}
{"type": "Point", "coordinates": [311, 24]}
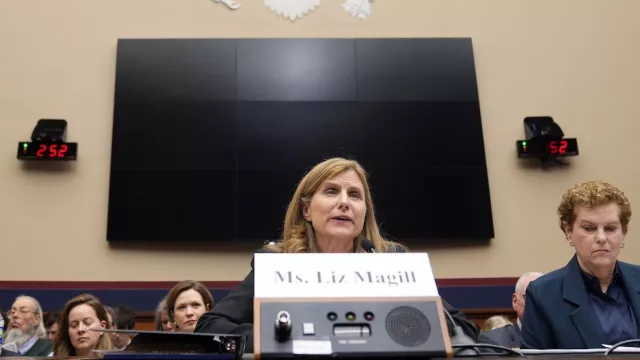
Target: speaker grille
{"type": "Point", "coordinates": [408, 326]}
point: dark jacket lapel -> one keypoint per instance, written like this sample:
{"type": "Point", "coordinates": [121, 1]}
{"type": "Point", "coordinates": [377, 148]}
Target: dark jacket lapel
{"type": "Point", "coordinates": [630, 280]}
{"type": "Point", "coordinates": [575, 292]}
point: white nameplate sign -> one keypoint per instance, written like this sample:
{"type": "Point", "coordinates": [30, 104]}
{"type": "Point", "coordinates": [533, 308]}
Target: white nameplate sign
{"type": "Point", "coordinates": [343, 275]}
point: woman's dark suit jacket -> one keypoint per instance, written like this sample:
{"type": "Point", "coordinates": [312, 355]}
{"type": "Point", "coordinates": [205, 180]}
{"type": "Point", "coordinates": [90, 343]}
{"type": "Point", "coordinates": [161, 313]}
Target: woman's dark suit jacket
{"type": "Point", "coordinates": [557, 312]}
{"type": "Point", "coordinates": [234, 313]}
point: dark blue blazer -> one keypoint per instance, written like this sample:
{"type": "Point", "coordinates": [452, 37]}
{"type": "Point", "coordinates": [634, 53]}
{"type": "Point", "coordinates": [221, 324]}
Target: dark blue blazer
{"type": "Point", "coordinates": [557, 313]}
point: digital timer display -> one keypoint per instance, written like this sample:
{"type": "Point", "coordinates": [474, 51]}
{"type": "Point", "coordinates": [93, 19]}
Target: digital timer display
{"type": "Point", "coordinates": [51, 151]}
{"type": "Point", "coordinates": [547, 148]}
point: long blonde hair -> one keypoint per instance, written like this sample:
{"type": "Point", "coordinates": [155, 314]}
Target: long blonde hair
{"type": "Point", "coordinates": [62, 343]}
{"type": "Point", "coordinates": [298, 235]}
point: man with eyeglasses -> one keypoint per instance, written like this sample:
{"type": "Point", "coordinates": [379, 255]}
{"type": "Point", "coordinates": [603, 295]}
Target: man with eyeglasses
{"type": "Point", "coordinates": [26, 331]}
{"type": "Point", "coordinates": [510, 335]}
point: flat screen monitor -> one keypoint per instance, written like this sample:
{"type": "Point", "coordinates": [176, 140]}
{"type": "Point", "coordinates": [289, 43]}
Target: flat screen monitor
{"type": "Point", "coordinates": [212, 136]}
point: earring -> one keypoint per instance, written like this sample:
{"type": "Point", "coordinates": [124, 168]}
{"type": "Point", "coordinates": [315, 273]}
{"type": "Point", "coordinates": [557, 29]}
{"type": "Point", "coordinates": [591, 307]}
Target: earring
{"type": "Point", "coordinates": [571, 244]}
{"type": "Point", "coordinates": [621, 245]}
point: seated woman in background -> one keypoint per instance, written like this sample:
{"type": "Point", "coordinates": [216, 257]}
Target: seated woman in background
{"type": "Point", "coordinates": [331, 212]}
{"type": "Point", "coordinates": [594, 299]}
{"type": "Point", "coordinates": [496, 322]}
{"type": "Point", "coordinates": [75, 337]}
{"type": "Point", "coordinates": [162, 321]}
{"type": "Point", "coordinates": [186, 302]}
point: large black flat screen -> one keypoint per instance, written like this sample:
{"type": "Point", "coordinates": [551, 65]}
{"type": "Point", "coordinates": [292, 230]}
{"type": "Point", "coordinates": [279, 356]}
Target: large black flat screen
{"type": "Point", "coordinates": [210, 137]}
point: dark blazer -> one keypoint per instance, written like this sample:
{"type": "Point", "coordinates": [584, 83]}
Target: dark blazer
{"type": "Point", "coordinates": [42, 347]}
{"type": "Point", "coordinates": [558, 315]}
{"type": "Point", "coordinates": [507, 336]}
{"type": "Point", "coordinates": [234, 313]}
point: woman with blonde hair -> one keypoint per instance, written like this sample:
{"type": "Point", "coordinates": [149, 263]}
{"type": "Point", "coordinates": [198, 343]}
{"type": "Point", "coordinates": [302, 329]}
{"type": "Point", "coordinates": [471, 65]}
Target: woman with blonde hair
{"type": "Point", "coordinates": [496, 322]}
{"type": "Point", "coordinates": [331, 212]}
{"type": "Point", "coordinates": [80, 316]}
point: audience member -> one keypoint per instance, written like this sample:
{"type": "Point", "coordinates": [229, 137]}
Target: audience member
{"type": "Point", "coordinates": [509, 335]}
{"type": "Point", "coordinates": [124, 319]}
{"type": "Point", "coordinates": [162, 321]}
{"type": "Point", "coordinates": [595, 298]}
{"type": "Point", "coordinates": [495, 322]}
{"type": "Point", "coordinates": [186, 302]}
{"type": "Point", "coordinates": [111, 316]}
{"type": "Point", "coordinates": [27, 330]}
{"type": "Point", "coordinates": [75, 337]}
{"type": "Point", "coordinates": [51, 324]}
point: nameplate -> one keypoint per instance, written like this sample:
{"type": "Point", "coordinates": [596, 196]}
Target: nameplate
{"type": "Point", "coordinates": [343, 275]}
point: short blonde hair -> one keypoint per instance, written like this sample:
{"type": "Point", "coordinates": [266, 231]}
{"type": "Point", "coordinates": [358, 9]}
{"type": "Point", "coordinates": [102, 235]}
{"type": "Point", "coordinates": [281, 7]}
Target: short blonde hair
{"type": "Point", "coordinates": [298, 235]}
{"type": "Point", "coordinates": [495, 322]}
{"type": "Point", "coordinates": [591, 194]}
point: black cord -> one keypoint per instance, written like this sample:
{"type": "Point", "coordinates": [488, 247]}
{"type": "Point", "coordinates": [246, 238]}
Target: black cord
{"type": "Point", "coordinates": [506, 350]}
{"type": "Point", "coordinates": [458, 333]}
{"type": "Point", "coordinates": [453, 323]}
{"type": "Point", "coordinates": [625, 342]}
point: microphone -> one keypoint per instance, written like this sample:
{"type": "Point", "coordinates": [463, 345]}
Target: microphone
{"type": "Point", "coordinates": [367, 245]}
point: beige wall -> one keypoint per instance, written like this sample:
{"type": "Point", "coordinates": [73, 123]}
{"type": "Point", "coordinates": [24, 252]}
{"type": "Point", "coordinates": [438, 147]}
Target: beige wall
{"type": "Point", "coordinates": [577, 60]}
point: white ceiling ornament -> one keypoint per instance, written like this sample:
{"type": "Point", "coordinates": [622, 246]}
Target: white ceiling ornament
{"type": "Point", "coordinates": [231, 4]}
{"type": "Point", "coordinates": [292, 9]}
{"type": "Point", "coordinates": [359, 9]}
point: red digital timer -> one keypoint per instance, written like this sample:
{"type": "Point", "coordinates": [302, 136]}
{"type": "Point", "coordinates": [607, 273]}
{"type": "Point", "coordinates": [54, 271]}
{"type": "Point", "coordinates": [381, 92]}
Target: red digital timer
{"type": "Point", "coordinates": [47, 151]}
{"type": "Point", "coordinates": [557, 147]}
{"type": "Point", "coordinates": [547, 148]}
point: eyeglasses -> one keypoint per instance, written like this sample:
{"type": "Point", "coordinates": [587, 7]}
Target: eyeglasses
{"type": "Point", "coordinates": [20, 313]}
